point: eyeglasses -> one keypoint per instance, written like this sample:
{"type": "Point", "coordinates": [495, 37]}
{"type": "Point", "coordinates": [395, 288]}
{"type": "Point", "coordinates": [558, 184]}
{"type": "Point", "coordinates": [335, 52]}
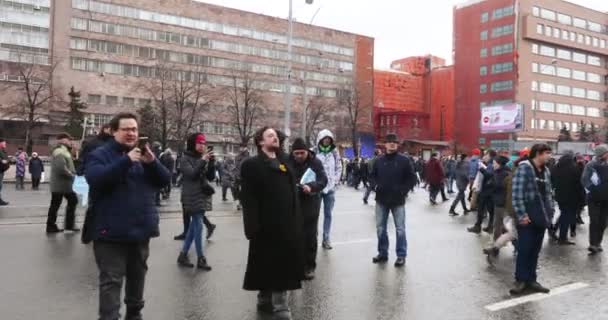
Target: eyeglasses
{"type": "Point", "coordinates": [134, 129]}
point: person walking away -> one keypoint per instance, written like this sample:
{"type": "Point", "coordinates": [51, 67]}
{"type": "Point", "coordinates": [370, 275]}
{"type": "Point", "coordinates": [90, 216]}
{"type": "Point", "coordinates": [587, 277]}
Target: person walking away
{"type": "Point", "coordinates": [485, 199]}
{"type": "Point", "coordinates": [370, 182]}
{"type": "Point", "coordinates": [35, 168]}
{"type": "Point", "coordinates": [309, 196]}
{"type": "Point", "coordinates": [63, 173]}
{"type": "Point", "coordinates": [451, 173]}
{"type": "Point", "coordinates": [473, 169]}
{"type": "Point", "coordinates": [167, 159]}
{"type": "Point", "coordinates": [240, 158]}
{"type": "Point", "coordinates": [595, 181]}
{"type": "Point", "coordinates": [123, 180]}
{"type": "Point", "coordinates": [105, 135]}
{"type": "Point", "coordinates": [228, 178]}
{"type": "Point", "coordinates": [580, 165]}
{"type": "Point", "coordinates": [394, 177]}
{"type": "Point", "coordinates": [533, 205]}
{"type": "Point", "coordinates": [197, 192]}
{"type": "Point", "coordinates": [566, 180]}
{"type": "Point", "coordinates": [364, 171]}
{"type": "Point", "coordinates": [461, 174]}
{"type": "Point", "coordinates": [20, 162]}
{"type": "Point", "coordinates": [5, 165]}
{"type": "Point", "coordinates": [328, 154]}
{"type": "Point", "coordinates": [273, 225]}
{"type": "Point", "coordinates": [435, 177]}
{"type": "Point", "coordinates": [420, 172]}
{"type": "Point", "coordinates": [501, 172]}
{"type": "Point", "coordinates": [356, 173]}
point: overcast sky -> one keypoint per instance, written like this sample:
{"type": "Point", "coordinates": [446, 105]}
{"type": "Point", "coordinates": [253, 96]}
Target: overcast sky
{"type": "Point", "coordinates": [402, 28]}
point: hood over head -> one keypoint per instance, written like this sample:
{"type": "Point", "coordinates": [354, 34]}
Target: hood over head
{"type": "Point", "coordinates": [324, 134]}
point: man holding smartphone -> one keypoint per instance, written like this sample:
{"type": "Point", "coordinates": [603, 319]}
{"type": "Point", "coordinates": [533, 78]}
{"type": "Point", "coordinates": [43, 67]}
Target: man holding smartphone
{"type": "Point", "coordinates": [124, 180]}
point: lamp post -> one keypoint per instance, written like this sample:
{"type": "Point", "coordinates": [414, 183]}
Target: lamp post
{"type": "Point", "coordinates": [540, 70]}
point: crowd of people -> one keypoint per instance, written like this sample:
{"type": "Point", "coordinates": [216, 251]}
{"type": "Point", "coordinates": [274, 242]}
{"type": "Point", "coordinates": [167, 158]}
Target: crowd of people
{"type": "Point", "coordinates": [280, 195]}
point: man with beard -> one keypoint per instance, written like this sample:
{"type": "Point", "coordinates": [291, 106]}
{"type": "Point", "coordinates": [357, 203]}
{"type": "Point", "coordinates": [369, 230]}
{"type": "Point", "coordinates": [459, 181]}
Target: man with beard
{"type": "Point", "coordinates": [62, 179]}
{"type": "Point", "coordinates": [272, 225]}
{"type": "Point", "coordinates": [301, 160]}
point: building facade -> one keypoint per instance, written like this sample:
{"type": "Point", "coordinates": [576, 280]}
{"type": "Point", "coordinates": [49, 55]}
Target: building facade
{"type": "Point", "coordinates": [547, 55]}
{"type": "Point", "coordinates": [115, 51]}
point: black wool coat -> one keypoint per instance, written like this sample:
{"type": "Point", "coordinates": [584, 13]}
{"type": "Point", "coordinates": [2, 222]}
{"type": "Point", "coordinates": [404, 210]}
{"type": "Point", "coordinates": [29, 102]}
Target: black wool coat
{"type": "Point", "coordinates": [273, 225]}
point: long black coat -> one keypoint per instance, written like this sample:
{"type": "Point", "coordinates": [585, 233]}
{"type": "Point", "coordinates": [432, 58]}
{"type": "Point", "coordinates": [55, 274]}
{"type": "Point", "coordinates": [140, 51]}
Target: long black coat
{"type": "Point", "coordinates": [310, 204]}
{"type": "Point", "coordinates": [36, 168]}
{"type": "Point", "coordinates": [566, 180]}
{"type": "Point", "coordinates": [273, 225]}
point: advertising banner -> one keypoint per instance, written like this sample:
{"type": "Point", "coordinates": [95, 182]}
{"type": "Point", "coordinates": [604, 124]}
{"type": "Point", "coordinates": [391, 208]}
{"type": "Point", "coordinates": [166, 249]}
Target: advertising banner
{"type": "Point", "coordinates": [503, 118]}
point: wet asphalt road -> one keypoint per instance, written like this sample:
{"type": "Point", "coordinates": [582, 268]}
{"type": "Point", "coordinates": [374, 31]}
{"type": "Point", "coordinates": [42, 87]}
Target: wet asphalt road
{"type": "Point", "coordinates": [446, 276]}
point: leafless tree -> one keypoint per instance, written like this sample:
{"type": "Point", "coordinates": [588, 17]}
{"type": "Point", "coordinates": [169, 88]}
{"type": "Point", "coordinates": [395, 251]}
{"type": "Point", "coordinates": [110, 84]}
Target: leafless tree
{"type": "Point", "coordinates": [353, 103]}
{"type": "Point", "coordinates": [317, 111]}
{"type": "Point", "coordinates": [35, 95]}
{"type": "Point", "coordinates": [246, 104]}
{"type": "Point", "coordinates": [159, 89]}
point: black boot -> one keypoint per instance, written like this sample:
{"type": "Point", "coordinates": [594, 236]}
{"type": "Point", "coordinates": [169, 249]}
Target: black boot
{"type": "Point", "coordinates": [202, 264]}
{"type": "Point", "coordinates": [519, 289]}
{"type": "Point", "coordinates": [453, 213]}
{"type": "Point", "coordinates": [475, 229]}
{"type": "Point", "coordinates": [184, 261]}
{"type": "Point", "coordinates": [210, 231]}
{"type": "Point", "coordinates": [53, 229]}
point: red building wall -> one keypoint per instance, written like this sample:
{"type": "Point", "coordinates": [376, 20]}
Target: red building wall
{"type": "Point", "coordinates": [365, 82]}
{"type": "Point", "coordinates": [398, 91]}
{"type": "Point", "coordinates": [442, 103]}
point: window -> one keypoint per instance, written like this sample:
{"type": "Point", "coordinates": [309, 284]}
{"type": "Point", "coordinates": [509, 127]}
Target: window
{"type": "Point", "coordinates": [578, 92]}
{"type": "Point", "coordinates": [533, 123]}
{"type": "Point", "coordinates": [572, 36]}
{"type": "Point", "coordinates": [502, 49]}
{"type": "Point", "coordinates": [564, 54]}
{"type": "Point", "coordinates": [596, 42]}
{"type": "Point", "coordinates": [564, 72]}
{"type": "Point", "coordinates": [551, 125]}
{"type": "Point", "coordinates": [534, 85]}
{"type": "Point", "coordinates": [556, 33]}
{"type": "Point", "coordinates": [547, 69]}
{"type": "Point", "coordinates": [78, 44]}
{"type": "Point", "coordinates": [574, 126]}
{"type": "Point", "coordinates": [565, 35]}
{"type": "Point", "coordinates": [563, 90]}
{"type": "Point", "coordinates": [484, 17]}
{"type": "Point", "coordinates": [535, 48]}
{"type": "Point", "coordinates": [564, 108]}
{"type": "Point", "coordinates": [593, 112]}
{"type": "Point", "coordinates": [579, 57]}
{"type": "Point", "coordinates": [547, 106]}
{"type": "Point", "coordinates": [502, 12]}
{"type": "Point", "coordinates": [580, 23]}
{"type": "Point", "coordinates": [578, 110]}
{"type": "Point", "coordinates": [94, 99]}
{"type": "Point", "coordinates": [548, 31]}
{"type": "Point", "coordinates": [547, 87]}
{"type": "Point", "coordinates": [580, 38]}
{"type": "Point", "coordinates": [502, 31]}
{"type": "Point", "coordinates": [534, 67]}
{"type": "Point", "coordinates": [594, 60]}
{"type": "Point", "coordinates": [558, 125]}
{"type": "Point", "coordinates": [111, 100]}
{"type": "Point", "coordinates": [483, 53]}
{"type": "Point", "coordinates": [126, 101]}
{"type": "Point", "coordinates": [564, 19]}
{"type": "Point", "coordinates": [596, 27]}
{"type": "Point", "coordinates": [502, 86]}
{"type": "Point", "coordinates": [579, 75]}
{"type": "Point", "coordinates": [484, 35]}
{"type": "Point", "coordinates": [79, 24]}
{"type": "Point", "coordinates": [594, 77]}
{"type": "Point", "coordinates": [548, 14]}
{"type": "Point", "coordinates": [602, 44]}
{"type": "Point", "coordinates": [588, 40]}
{"type": "Point", "coordinates": [547, 51]}
{"type": "Point", "coordinates": [483, 88]}
{"type": "Point", "coordinates": [502, 67]}
{"type": "Point", "coordinates": [542, 124]}
{"type": "Point", "coordinates": [539, 28]}
{"type": "Point", "coordinates": [483, 104]}
{"type": "Point", "coordinates": [536, 11]}
{"type": "Point", "coordinates": [593, 95]}
{"type": "Point", "coordinates": [566, 125]}
{"type": "Point", "coordinates": [483, 70]}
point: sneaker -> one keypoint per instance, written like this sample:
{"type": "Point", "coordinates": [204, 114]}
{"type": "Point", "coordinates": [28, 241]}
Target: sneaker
{"type": "Point", "coordinates": [309, 275]}
{"type": "Point", "coordinates": [184, 261]}
{"type": "Point", "coordinates": [593, 250]}
{"type": "Point", "coordinates": [565, 242]}
{"type": "Point", "coordinates": [180, 237]}
{"type": "Point", "coordinates": [519, 289]}
{"type": "Point", "coordinates": [210, 231]}
{"type": "Point", "coordinates": [202, 264]}
{"type": "Point", "coordinates": [400, 262]}
{"type": "Point", "coordinates": [475, 229]}
{"type": "Point", "coordinates": [488, 229]}
{"type": "Point", "coordinates": [537, 287]}
{"type": "Point", "coordinates": [53, 229]}
{"type": "Point", "coordinates": [453, 213]}
{"type": "Point", "coordinates": [379, 259]}
{"type": "Point", "coordinates": [327, 245]}
{"type": "Point", "coordinates": [3, 203]}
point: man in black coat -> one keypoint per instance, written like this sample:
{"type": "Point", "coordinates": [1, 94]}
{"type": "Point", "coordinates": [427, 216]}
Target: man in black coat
{"type": "Point", "coordinates": [104, 136]}
{"type": "Point", "coordinates": [273, 225]}
{"type": "Point", "coordinates": [301, 160]}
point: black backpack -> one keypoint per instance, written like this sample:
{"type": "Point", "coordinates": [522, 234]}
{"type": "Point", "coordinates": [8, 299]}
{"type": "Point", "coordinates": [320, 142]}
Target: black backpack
{"type": "Point", "coordinates": [599, 193]}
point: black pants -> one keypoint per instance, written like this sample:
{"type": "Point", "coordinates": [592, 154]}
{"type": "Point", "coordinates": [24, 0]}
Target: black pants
{"type": "Point", "coordinates": [598, 216]}
{"type": "Point", "coordinates": [435, 189]}
{"type": "Point", "coordinates": [70, 211]}
{"type": "Point", "coordinates": [225, 191]}
{"type": "Point", "coordinates": [186, 221]}
{"type": "Point", "coordinates": [485, 203]}
{"type": "Point", "coordinates": [115, 261]}
{"type": "Point", "coordinates": [368, 190]}
{"type": "Point", "coordinates": [459, 198]}
{"type": "Point", "coordinates": [35, 183]}
{"type": "Point", "coordinates": [310, 210]}
{"type": "Point", "coordinates": [566, 218]}
{"type": "Point", "coordinates": [529, 244]}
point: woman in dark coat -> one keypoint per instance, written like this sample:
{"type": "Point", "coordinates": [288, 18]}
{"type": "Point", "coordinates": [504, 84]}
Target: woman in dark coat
{"type": "Point", "coordinates": [569, 194]}
{"type": "Point", "coordinates": [273, 225]}
{"type": "Point", "coordinates": [36, 168]}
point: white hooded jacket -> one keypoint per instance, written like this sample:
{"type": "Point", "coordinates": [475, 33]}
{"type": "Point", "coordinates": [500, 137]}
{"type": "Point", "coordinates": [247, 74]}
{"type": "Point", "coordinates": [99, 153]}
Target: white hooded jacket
{"type": "Point", "coordinates": [331, 161]}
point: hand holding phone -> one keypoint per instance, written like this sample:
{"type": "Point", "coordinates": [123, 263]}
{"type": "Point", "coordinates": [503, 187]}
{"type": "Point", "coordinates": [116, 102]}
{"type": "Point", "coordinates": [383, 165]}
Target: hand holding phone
{"type": "Point", "coordinates": [142, 144]}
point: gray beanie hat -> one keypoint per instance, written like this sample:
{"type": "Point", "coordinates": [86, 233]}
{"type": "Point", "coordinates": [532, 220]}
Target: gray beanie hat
{"type": "Point", "coordinates": [601, 150]}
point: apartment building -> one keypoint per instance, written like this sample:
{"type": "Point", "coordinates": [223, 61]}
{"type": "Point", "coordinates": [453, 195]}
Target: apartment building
{"type": "Point", "coordinates": [110, 50]}
{"type": "Point", "coordinates": [548, 55]}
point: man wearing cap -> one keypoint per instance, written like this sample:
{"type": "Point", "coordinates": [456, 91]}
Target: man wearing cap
{"type": "Point", "coordinates": [595, 181]}
{"type": "Point", "coordinates": [62, 179]}
{"type": "Point", "coordinates": [393, 177]}
{"type": "Point", "coordinates": [309, 196]}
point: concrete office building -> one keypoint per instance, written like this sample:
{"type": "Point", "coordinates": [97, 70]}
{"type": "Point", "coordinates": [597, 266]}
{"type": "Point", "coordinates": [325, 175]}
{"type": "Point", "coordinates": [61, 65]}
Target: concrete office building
{"type": "Point", "coordinates": [548, 55]}
{"type": "Point", "coordinates": [111, 50]}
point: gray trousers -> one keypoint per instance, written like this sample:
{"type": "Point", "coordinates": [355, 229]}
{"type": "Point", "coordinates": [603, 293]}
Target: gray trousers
{"type": "Point", "coordinates": [115, 261]}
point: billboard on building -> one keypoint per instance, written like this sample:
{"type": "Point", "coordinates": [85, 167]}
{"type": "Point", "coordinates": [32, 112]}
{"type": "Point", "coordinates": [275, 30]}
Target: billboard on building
{"type": "Point", "coordinates": [503, 118]}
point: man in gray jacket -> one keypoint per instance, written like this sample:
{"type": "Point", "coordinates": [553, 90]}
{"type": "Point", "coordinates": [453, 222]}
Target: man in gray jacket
{"type": "Point", "coordinates": [595, 181]}
{"type": "Point", "coordinates": [62, 179]}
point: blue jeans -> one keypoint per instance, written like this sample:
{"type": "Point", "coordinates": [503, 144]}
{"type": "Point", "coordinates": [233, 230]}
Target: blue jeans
{"type": "Point", "coordinates": [329, 199]}
{"type": "Point", "coordinates": [382, 213]}
{"type": "Point", "coordinates": [450, 183]}
{"type": "Point", "coordinates": [195, 233]}
{"type": "Point", "coordinates": [529, 244]}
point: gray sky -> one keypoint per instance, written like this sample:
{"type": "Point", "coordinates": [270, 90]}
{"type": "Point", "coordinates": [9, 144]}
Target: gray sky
{"type": "Point", "coordinates": [402, 28]}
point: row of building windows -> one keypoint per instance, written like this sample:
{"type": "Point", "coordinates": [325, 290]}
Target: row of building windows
{"type": "Point", "coordinates": [97, 66]}
{"type": "Point", "coordinates": [26, 5]}
{"type": "Point", "coordinates": [114, 100]}
{"type": "Point", "coordinates": [25, 38]}
{"type": "Point", "coordinates": [135, 13]}
{"type": "Point", "coordinates": [187, 58]}
{"type": "Point", "coordinates": [568, 20]}
{"type": "Point", "coordinates": [497, 14]}
{"type": "Point", "coordinates": [565, 54]}
{"type": "Point", "coordinates": [570, 36]}
{"type": "Point", "coordinates": [25, 14]}
{"type": "Point", "coordinates": [205, 43]}
{"type": "Point", "coordinates": [552, 70]}
{"type": "Point", "coordinates": [502, 49]}
{"type": "Point", "coordinates": [563, 90]}
{"type": "Point", "coordinates": [23, 57]}
{"type": "Point", "coordinates": [497, 68]}
{"type": "Point", "coordinates": [565, 108]}
{"type": "Point", "coordinates": [497, 32]}
{"type": "Point", "coordinates": [497, 86]}
{"type": "Point", "coordinates": [557, 125]}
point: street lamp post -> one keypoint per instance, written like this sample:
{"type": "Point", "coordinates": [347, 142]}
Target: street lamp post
{"type": "Point", "coordinates": [540, 70]}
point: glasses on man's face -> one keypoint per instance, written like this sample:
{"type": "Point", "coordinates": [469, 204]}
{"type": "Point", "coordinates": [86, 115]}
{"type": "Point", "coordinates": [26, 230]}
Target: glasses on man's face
{"type": "Point", "coordinates": [134, 129]}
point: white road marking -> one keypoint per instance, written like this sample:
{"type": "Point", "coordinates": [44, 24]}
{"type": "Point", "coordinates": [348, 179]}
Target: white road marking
{"type": "Point", "coordinates": [353, 241]}
{"type": "Point", "coordinates": [535, 297]}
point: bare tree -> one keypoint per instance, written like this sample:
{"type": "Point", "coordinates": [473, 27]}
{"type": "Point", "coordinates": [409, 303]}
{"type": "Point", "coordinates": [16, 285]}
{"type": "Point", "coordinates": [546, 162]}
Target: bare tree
{"type": "Point", "coordinates": [36, 95]}
{"type": "Point", "coordinates": [159, 89]}
{"type": "Point", "coordinates": [316, 115]}
{"type": "Point", "coordinates": [351, 100]}
{"type": "Point", "coordinates": [246, 105]}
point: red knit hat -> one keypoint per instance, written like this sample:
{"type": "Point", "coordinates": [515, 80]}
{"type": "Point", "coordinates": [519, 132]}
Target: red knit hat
{"type": "Point", "coordinates": [201, 139]}
{"type": "Point", "coordinates": [476, 152]}
{"type": "Point", "coordinates": [524, 152]}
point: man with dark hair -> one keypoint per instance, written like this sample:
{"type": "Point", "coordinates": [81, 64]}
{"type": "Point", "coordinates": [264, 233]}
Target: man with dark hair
{"type": "Point", "coordinates": [595, 181]}
{"type": "Point", "coordinates": [104, 135]}
{"type": "Point", "coordinates": [4, 165]}
{"type": "Point", "coordinates": [461, 174]}
{"type": "Point", "coordinates": [435, 177]}
{"type": "Point", "coordinates": [123, 180]}
{"type": "Point", "coordinates": [63, 173]}
{"type": "Point", "coordinates": [533, 205]}
{"type": "Point", "coordinates": [272, 225]}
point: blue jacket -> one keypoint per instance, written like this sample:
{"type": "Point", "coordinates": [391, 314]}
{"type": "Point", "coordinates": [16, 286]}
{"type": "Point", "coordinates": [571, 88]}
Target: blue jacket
{"type": "Point", "coordinates": [123, 193]}
{"type": "Point", "coordinates": [394, 177]}
{"type": "Point", "coordinates": [473, 167]}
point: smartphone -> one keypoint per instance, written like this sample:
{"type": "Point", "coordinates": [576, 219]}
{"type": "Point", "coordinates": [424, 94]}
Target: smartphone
{"type": "Point", "coordinates": [209, 148]}
{"type": "Point", "coordinates": [142, 143]}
